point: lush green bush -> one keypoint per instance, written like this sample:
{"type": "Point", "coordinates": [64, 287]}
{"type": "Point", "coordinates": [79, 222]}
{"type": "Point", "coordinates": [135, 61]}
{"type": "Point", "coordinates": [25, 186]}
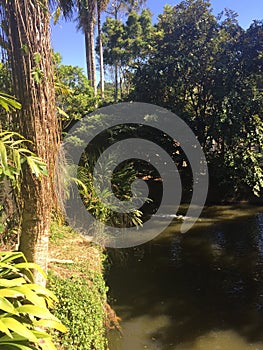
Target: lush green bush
{"type": "Point", "coordinates": [24, 314]}
{"type": "Point", "coordinates": [81, 308]}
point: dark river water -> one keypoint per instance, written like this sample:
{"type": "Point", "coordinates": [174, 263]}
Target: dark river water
{"type": "Point", "coordinates": [202, 290]}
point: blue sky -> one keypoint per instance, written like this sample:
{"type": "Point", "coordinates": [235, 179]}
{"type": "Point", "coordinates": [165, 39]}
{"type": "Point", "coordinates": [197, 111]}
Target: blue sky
{"type": "Point", "coordinates": [70, 43]}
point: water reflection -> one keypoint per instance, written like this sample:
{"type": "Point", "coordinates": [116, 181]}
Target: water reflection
{"type": "Point", "coordinates": [201, 290]}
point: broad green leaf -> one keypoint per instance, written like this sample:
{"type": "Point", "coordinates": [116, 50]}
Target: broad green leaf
{"type": "Point", "coordinates": [4, 329]}
{"type": "Point", "coordinates": [6, 306]}
{"type": "Point", "coordinates": [33, 166]}
{"type": "Point", "coordinates": [6, 136]}
{"type": "Point", "coordinates": [62, 113]}
{"type": "Point", "coordinates": [16, 345]}
{"type": "Point", "coordinates": [51, 324]}
{"type": "Point", "coordinates": [37, 311]}
{"type": "Point", "coordinates": [11, 256]}
{"type": "Point", "coordinates": [9, 102]}
{"type": "Point", "coordinates": [12, 283]}
{"type": "Point", "coordinates": [31, 296]}
{"type": "Point", "coordinates": [17, 337]}
{"type": "Point", "coordinates": [42, 290]}
{"type": "Point", "coordinates": [10, 293]}
{"type": "Point", "coordinates": [17, 160]}
{"type": "Point", "coordinates": [27, 265]}
{"type": "Point", "coordinates": [19, 328]}
{"type": "Point", "coordinates": [3, 154]}
{"type": "Point", "coordinates": [25, 151]}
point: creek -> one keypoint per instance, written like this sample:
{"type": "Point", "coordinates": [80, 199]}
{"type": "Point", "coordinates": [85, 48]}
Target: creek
{"type": "Point", "coordinates": [202, 290]}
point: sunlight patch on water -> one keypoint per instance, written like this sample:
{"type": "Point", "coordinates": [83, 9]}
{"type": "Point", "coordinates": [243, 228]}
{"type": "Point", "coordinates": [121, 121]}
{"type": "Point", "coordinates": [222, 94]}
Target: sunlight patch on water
{"type": "Point", "coordinates": [137, 333]}
{"type": "Point", "coordinates": [221, 340]}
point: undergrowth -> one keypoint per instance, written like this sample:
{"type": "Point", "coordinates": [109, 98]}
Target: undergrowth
{"type": "Point", "coordinates": [81, 291]}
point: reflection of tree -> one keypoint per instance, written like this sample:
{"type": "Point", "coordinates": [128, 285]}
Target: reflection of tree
{"type": "Point", "coordinates": [210, 278]}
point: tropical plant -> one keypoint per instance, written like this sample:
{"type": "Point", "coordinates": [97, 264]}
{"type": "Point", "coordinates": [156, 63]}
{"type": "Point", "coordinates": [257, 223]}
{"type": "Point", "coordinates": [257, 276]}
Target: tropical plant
{"type": "Point", "coordinates": [24, 314]}
{"type": "Point", "coordinates": [14, 154]}
{"type": "Point", "coordinates": [8, 102]}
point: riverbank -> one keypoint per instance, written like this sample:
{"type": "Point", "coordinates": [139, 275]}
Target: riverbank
{"type": "Point", "coordinates": [76, 276]}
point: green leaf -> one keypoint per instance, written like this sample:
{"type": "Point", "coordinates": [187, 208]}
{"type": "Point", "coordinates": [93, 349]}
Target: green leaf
{"type": "Point", "coordinates": [37, 311]}
{"type": "Point", "coordinates": [42, 290]}
{"type": "Point", "coordinates": [33, 166]}
{"type": "Point", "coordinates": [16, 345]}
{"type": "Point", "coordinates": [11, 256]}
{"type": "Point", "coordinates": [19, 328]}
{"type": "Point", "coordinates": [10, 293]}
{"type": "Point", "coordinates": [56, 15]}
{"type": "Point", "coordinates": [37, 57]}
{"type": "Point", "coordinates": [9, 102]}
{"type": "Point", "coordinates": [4, 329]}
{"type": "Point", "coordinates": [3, 154]}
{"type": "Point", "coordinates": [17, 160]}
{"type": "Point", "coordinates": [51, 324]}
{"type": "Point", "coordinates": [31, 296]}
{"type": "Point", "coordinates": [12, 283]}
{"type": "Point", "coordinates": [6, 306]}
{"type": "Point", "coordinates": [27, 265]}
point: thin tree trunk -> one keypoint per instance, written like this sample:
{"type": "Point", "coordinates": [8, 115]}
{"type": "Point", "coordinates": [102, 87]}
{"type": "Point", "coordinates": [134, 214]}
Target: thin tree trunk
{"type": "Point", "coordinates": [92, 54]}
{"type": "Point", "coordinates": [88, 58]}
{"type": "Point", "coordinates": [31, 58]}
{"type": "Point", "coordinates": [102, 85]}
{"type": "Point", "coordinates": [116, 83]}
{"type": "Point", "coordinates": [87, 20]}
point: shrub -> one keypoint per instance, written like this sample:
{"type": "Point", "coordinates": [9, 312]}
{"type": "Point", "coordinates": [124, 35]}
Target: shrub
{"type": "Point", "coordinates": [81, 308]}
{"type": "Point", "coordinates": [24, 314]}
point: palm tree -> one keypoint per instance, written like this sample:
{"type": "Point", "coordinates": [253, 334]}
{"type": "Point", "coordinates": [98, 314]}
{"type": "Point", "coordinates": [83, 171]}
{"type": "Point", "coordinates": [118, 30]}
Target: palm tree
{"type": "Point", "coordinates": [101, 6]}
{"type": "Point", "coordinates": [30, 57]}
{"type": "Point", "coordinates": [87, 11]}
{"type": "Point", "coordinates": [86, 19]}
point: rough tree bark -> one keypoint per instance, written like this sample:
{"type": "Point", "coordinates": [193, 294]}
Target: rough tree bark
{"type": "Point", "coordinates": [31, 60]}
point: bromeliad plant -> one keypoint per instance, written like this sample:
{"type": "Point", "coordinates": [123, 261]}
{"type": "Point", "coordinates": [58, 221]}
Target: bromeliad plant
{"type": "Point", "coordinates": [24, 314]}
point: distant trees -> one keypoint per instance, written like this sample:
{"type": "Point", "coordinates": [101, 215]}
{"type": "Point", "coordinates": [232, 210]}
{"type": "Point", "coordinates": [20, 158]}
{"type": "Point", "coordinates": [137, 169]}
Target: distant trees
{"type": "Point", "coordinates": [209, 71]}
{"type": "Point", "coordinates": [88, 13]}
{"type": "Point", "coordinates": [75, 97]}
{"type": "Point", "coordinates": [125, 45]}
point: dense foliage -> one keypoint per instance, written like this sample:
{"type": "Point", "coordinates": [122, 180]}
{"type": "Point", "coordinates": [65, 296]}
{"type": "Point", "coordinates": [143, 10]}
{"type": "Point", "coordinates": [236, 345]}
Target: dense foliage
{"type": "Point", "coordinates": [81, 308]}
{"type": "Point", "coordinates": [75, 96]}
{"type": "Point", "coordinates": [24, 314]}
{"type": "Point", "coordinates": [208, 70]}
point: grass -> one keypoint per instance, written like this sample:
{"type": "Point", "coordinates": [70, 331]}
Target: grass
{"type": "Point", "coordinates": [80, 288]}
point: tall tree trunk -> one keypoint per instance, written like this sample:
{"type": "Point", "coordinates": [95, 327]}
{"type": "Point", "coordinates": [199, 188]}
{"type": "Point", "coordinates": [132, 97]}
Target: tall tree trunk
{"type": "Point", "coordinates": [102, 86]}
{"type": "Point", "coordinates": [92, 55]}
{"type": "Point", "coordinates": [88, 57]}
{"type": "Point", "coordinates": [87, 19]}
{"type": "Point", "coordinates": [31, 60]}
